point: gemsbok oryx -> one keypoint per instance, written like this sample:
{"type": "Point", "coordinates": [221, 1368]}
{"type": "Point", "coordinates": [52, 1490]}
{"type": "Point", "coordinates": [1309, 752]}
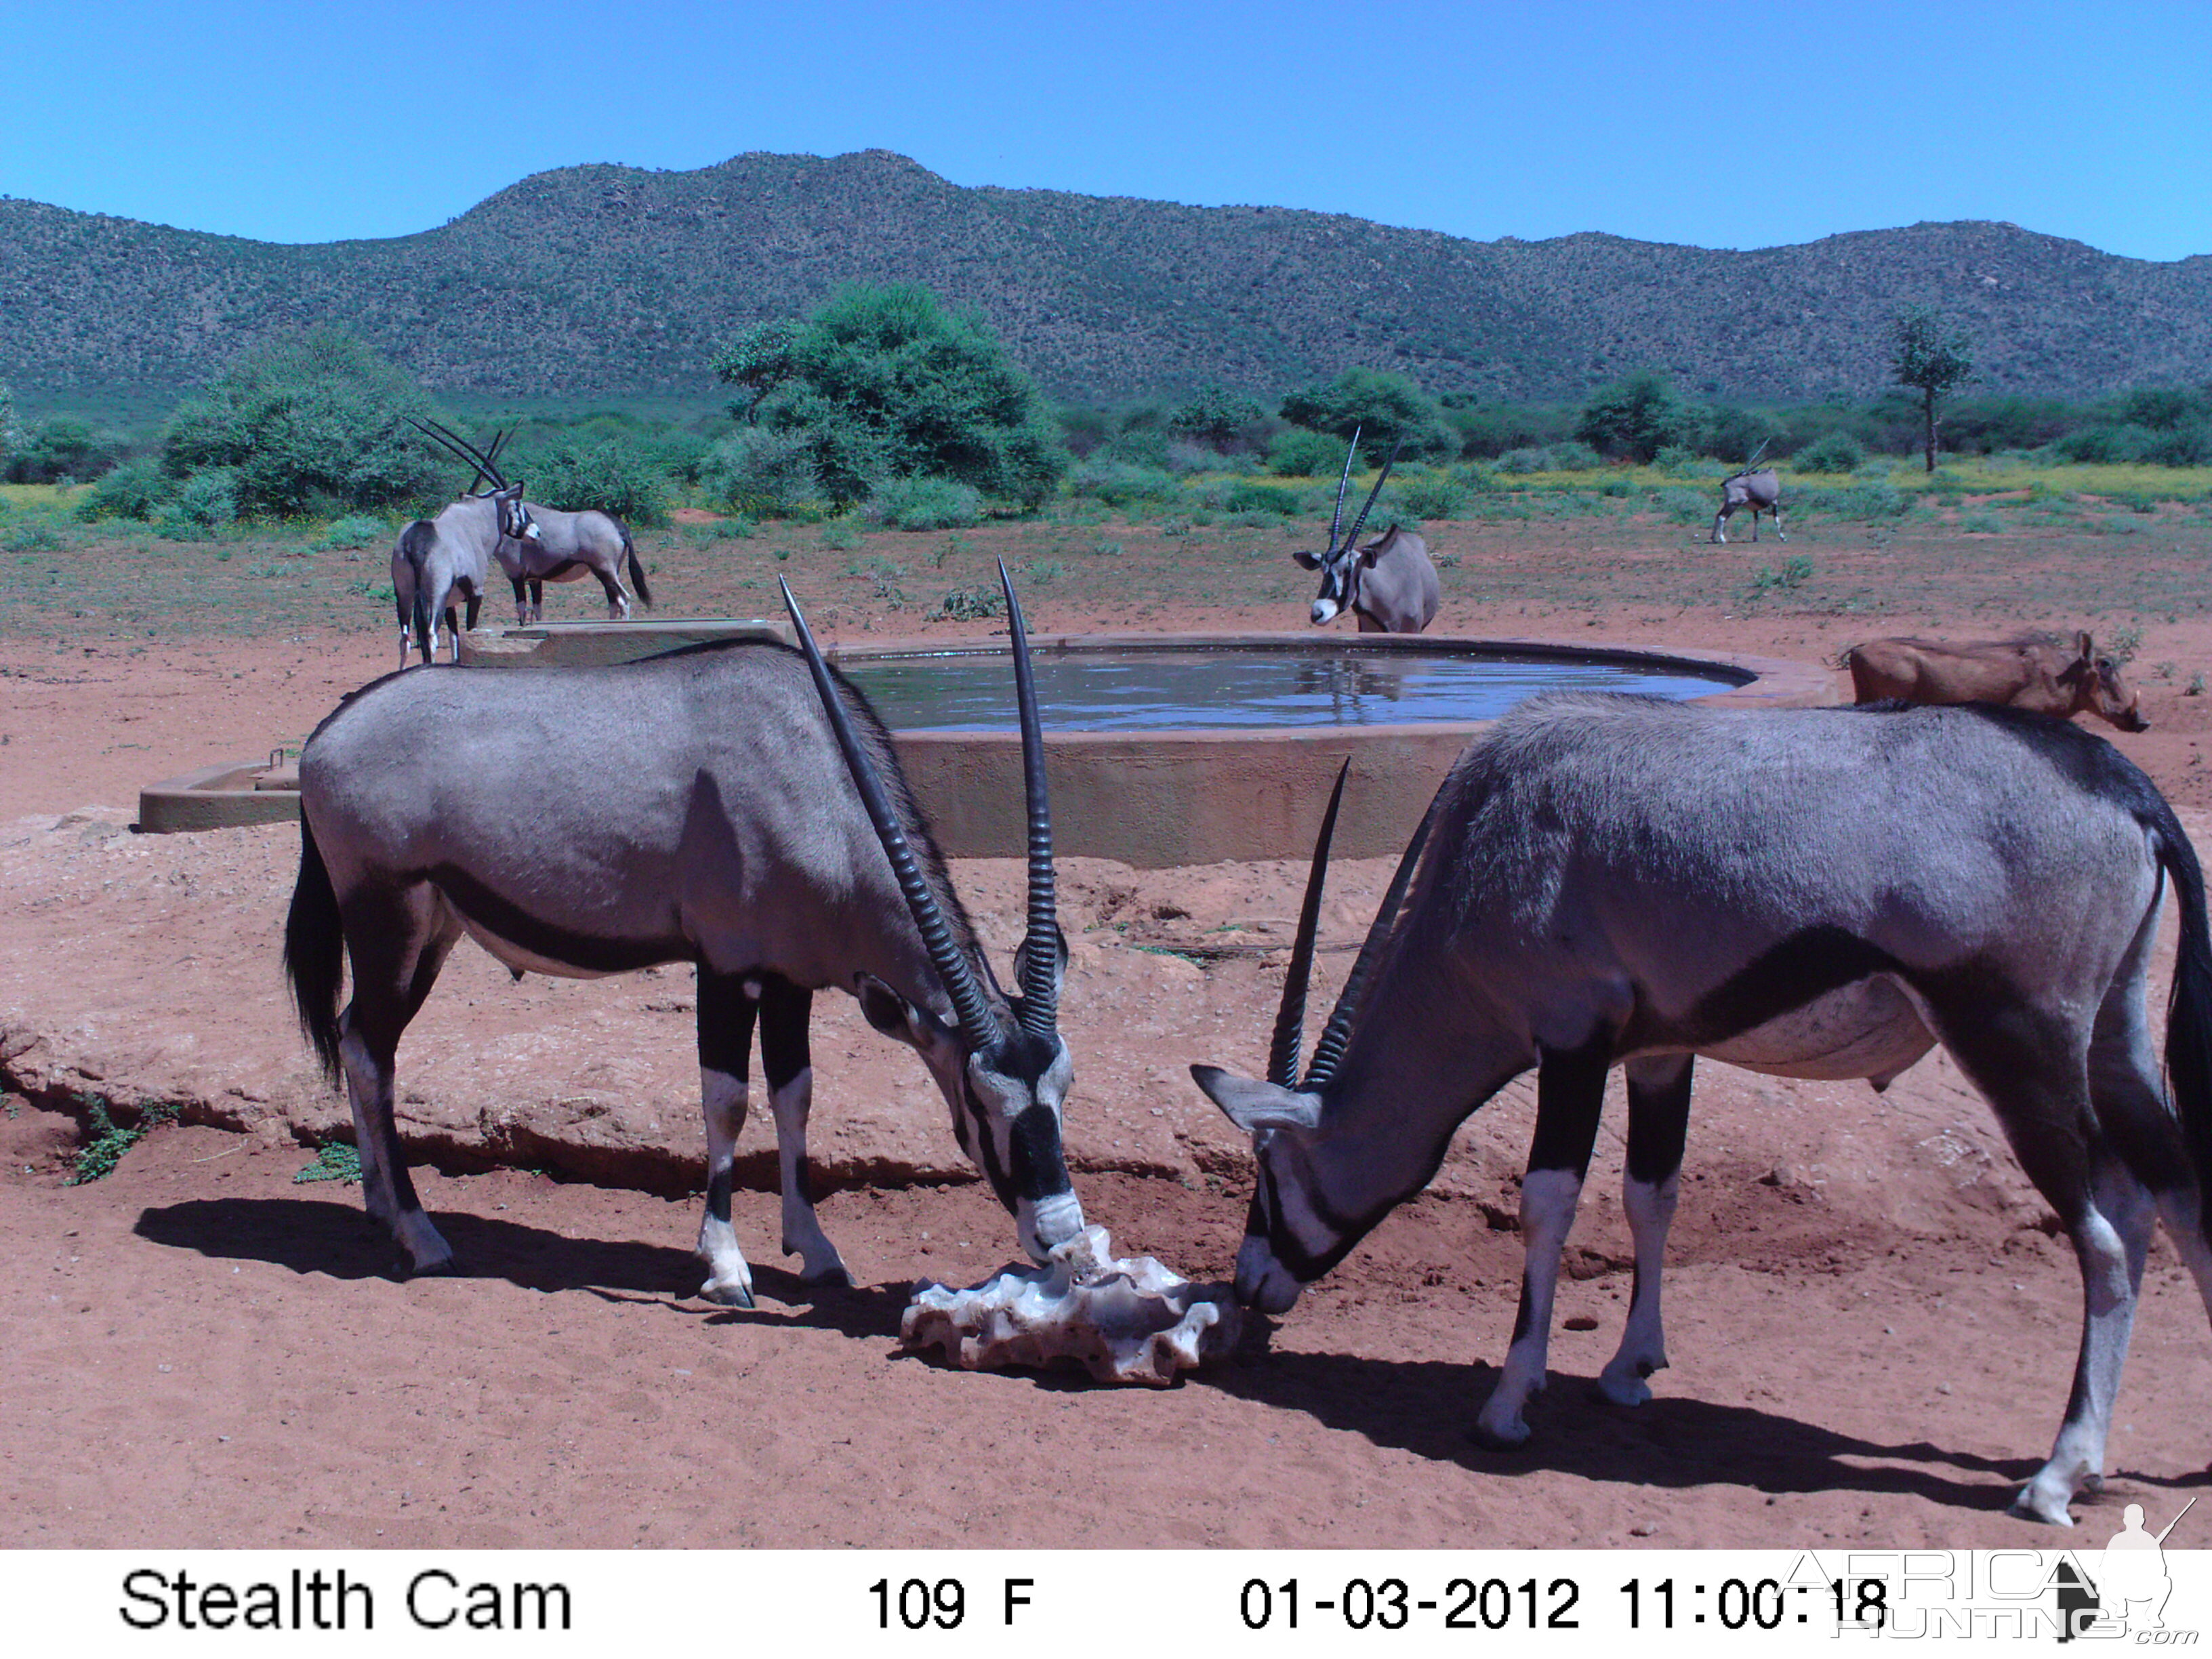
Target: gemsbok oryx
{"type": "Point", "coordinates": [1760, 492]}
{"type": "Point", "coordinates": [437, 558]}
{"type": "Point", "coordinates": [1817, 893]}
{"type": "Point", "coordinates": [569, 545]}
{"type": "Point", "coordinates": [737, 807]}
{"type": "Point", "coordinates": [2038, 672]}
{"type": "Point", "coordinates": [1389, 582]}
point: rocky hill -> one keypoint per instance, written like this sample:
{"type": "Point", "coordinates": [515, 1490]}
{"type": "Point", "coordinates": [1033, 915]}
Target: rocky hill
{"type": "Point", "coordinates": [611, 280]}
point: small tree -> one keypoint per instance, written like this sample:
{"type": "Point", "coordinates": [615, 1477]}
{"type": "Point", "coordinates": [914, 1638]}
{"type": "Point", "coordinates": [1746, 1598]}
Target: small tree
{"type": "Point", "coordinates": [1214, 416]}
{"type": "Point", "coordinates": [887, 383]}
{"type": "Point", "coordinates": [313, 423]}
{"type": "Point", "coordinates": [1385, 407]}
{"type": "Point", "coordinates": [10, 434]}
{"type": "Point", "coordinates": [759, 360]}
{"type": "Point", "coordinates": [1638, 416]}
{"type": "Point", "coordinates": [1932, 358]}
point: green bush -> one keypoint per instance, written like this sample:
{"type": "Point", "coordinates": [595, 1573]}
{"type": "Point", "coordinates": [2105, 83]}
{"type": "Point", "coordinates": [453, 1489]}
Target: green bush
{"type": "Point", "coordinates": [613, 475]}
{"type": "Point", "coordinates": [63, 449]}
{"type": "Point", "coordinates": [926, 504]}
{"type": "Point", "coordinates": [973, 604]}
{"type": "Point", "coordinates": [1123, 484]}
{"type": "Point", "coordinates": [1636, 416]}
{"type": "Point", "coordinates": [888, 383]}
{"type": "Point", "coordinates": [354, 531]}
{"type": "Point", "coordinates": [311, 423]}
{"type": "Point", "coordinates": [1426, 495]}
{"type": "Point", "coordinates": [207, 501]}
{"type": "Point", "coordinates": [1246, 496]}
{"type": "Point", "coordinates": [760, 472]}
{"type": "Point", "coordinates": [1839, 452]}
{"type": "Point", "coordinates": [1300, 453]}
{"type": "Point", "coordinates": [1216, 416]}
{"type": "Point", "coordinates": [1383, 408]}
{"type": "Point", "coordinates": [136, 490]}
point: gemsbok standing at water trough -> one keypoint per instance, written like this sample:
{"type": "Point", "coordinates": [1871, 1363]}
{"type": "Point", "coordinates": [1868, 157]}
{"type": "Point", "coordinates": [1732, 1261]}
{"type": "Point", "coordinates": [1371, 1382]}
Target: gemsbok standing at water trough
{"type": "Point", "coordinates": [452, 554]}
{"type": "Point", "coordinates": [737, 807]}
{"type": "Point", "coordinates": [1389, 582]}
{"type": "Point", "coordinates": [1819, 893]}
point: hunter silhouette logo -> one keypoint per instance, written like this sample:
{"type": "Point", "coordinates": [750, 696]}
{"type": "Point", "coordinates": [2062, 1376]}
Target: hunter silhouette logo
{"type": "Point", "coordinates": [2131, 1584]}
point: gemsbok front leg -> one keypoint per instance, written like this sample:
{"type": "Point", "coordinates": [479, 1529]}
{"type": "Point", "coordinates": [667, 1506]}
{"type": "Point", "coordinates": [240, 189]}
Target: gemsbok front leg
{"type": "Point", "coordinates": [788, 1065]}
{"type": "Point", "coordinates": [1658, 1126]}
{"type": "Point", "coordinates": [1570, 1097]}
{"type": "Point", "coordinates": [728, 1004]}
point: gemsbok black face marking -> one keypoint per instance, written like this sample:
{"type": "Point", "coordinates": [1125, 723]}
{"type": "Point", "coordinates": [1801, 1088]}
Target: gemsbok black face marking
{"type": "Point", "coordinates": [1389, 582]}
{"type": "Point", "coordinates": [437, 559]}
{"type": "Point", "coordinates": [1819, 893]}
{"type": "Point", "coordinates": [737, 807]}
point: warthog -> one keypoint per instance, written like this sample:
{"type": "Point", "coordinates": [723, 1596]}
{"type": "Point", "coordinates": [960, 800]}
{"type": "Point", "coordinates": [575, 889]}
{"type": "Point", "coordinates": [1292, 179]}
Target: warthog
{"type": "Point", "coordinates": [2037, 672]}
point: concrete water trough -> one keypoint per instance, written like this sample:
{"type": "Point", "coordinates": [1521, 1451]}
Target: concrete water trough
{"type": "Point", "coordinates": [1230, 762]}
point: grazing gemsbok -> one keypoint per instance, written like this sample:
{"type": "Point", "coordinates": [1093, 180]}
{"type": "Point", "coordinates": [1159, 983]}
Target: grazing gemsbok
{"type": "Point", "coordinates": [1389, 582]}
{"type": "Point", "coordinates": [1760, 492]}
{"type": "Point", "coordinates": [1818, 893]}
{"type": "Point", "coordinates": [454, 553]}
{"type": "Point", "coordinates": [737, 807]}
{"type": "Point", "coordinates": [2039, 671]}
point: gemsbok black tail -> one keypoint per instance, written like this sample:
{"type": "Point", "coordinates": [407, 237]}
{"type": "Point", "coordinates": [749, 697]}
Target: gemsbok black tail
{"type": "Point", "coordinates": [636, 570]}
{"type": "Point", "coordinates": [314, 952]}
{"type": "Point", "coordinates": [2189, 1009]}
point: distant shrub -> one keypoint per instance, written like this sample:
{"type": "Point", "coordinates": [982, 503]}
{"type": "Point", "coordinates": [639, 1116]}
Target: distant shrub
{"type": "Point", "coordinates": [1247, 496]}
{"type": "Point", "coordinates": [1426, 495]}
{"type": "Point", "coordinates": [1216, 416]}
{"type": "Point", "coordinates": [1635, 417]}
{"type": "Point", "coordinates": [313, 423]}
{"type": "Point", "coordinates": [759, 473]}
{"type": "Point", "coordinates": [1385, 408]}
{"type": "Point", "coordinates": [973, 604]}
{"type": "Point", "coordinates": [61, 449]}
{"type": "Point", "coordinates": [1839, 452]}
{"type": "Point", "coordinates": [1686, 506]}
{"type": "Point", "coordinates": [926, 504]}
{"type": "Point", "coordinates": [1530, 459]}
{"type": "Point", "coordinates": [614, 475]}
{"type": "Point", "coordinates": [208, 502]}
{"type": "Point", "coordinates": [356, 530]}
{"type": "Point", "coordinates": [136, 490]}
{"type": "Point", "coordinates": [1122, 483]}
{"type": "Point", "coordinates": [33, 536]}
{"type": "Point", "coordinates": [1575, 456]}
{"type": "Point", "coordinates": [1300, 453]}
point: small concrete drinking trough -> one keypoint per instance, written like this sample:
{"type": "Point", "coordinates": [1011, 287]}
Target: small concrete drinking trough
{"type": "Point", "coordinates": [1162, 749]}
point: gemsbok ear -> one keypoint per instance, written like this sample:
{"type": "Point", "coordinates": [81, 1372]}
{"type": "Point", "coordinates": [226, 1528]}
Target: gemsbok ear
{"type": "Point", "coordinates": [2083, 643]}
{"type": "Point", "coordinates": [1307, 560]}
{"type": "Point", "coordinates": [895, 1016]}
{"type": "Point", "coordinates": [1252, 1105]}
{"type": "Point", "coordinates": [1058, 961]}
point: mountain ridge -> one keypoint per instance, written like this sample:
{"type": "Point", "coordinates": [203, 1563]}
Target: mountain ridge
{"type": "Point", "coordinates": [605, 278]}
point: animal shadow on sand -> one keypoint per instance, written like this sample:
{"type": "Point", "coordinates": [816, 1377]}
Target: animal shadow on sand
{"type": "Point", "coordinates": [1426, 1407]}
{"type": "Point", "coordinates": [310, 1236]}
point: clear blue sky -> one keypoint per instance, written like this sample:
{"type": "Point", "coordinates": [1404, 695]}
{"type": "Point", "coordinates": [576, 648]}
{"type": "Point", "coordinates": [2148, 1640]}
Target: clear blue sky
{"type": "Point", "coordinates": [1727, 125]}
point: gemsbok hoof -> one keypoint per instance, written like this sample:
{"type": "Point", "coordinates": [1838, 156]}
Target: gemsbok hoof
{"type": "Point", "coordinates": [1624, 1390]}
{"type": "Point", "coordinates": [1512, 1437]}
{"type": "Point", "coordinates": [730, 1295]}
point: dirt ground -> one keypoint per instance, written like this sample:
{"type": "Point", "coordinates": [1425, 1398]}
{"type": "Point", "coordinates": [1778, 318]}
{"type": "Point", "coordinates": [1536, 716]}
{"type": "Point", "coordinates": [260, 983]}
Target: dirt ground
{"type": "Point", "coordinates": [1871, 1327]}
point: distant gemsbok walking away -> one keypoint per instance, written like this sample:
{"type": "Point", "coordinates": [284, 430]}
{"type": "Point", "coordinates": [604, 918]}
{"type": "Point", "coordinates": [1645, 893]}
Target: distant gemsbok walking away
{"type": "Point", "coordinates": [1389, 582]}
{"type": "Point", "coordinates": [1820, 893]}
{"type": "Point", "coordinates": [437, 558]}
{"type": "Point", "coordinates": [1760, 492]}
{"type": "Point", "coordinates": [2037, 672]}
{"type": "Point", "coordinates": [737, 807]}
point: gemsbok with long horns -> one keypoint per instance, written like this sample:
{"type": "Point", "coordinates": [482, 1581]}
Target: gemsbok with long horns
{"type": "Point", "coordinates": [737, 807]}
{"type": "Point", "coordinates": [1390, 582]}
{"type": "Point", "coordinates": [436, 559]}
{"type": "Point", "coordinates": [567, 547]}
{"type": "Point", "coordinates": [1819, 893]}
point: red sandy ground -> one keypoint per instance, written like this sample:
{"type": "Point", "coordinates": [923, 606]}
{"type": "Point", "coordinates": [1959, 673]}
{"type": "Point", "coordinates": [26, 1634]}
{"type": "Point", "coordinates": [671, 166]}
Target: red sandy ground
{"type": "Point", "coordinates": [199, 1351]}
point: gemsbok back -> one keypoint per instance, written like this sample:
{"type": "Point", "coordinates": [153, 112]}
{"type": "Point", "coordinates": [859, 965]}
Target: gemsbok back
{"type": "Point", "coordinates": [1390, 582]}
{"type": "Point", "coordinates": [1820, 893]}
{"type": "Point", "coordinates": [565, 547]}
{"type": "Point", "coordinates": [737, 807]}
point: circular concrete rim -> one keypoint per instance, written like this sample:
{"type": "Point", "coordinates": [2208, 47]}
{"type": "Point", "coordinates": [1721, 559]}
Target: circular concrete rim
{"type": "Point", "coordinates": [1151, 799]}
